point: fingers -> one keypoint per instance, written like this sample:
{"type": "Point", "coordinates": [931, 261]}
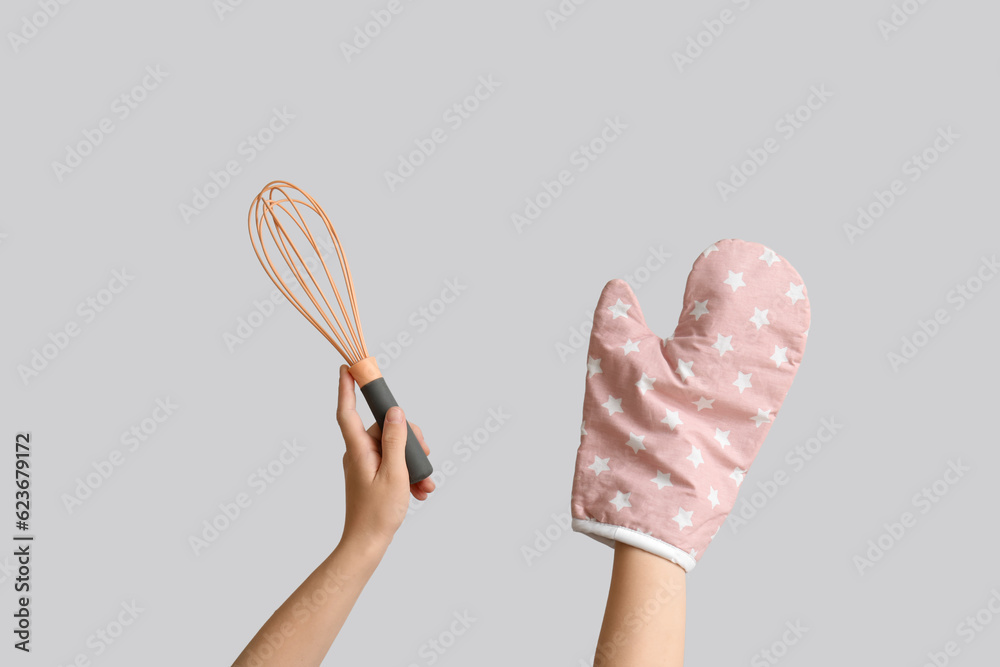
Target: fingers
{"type": "Point", "coordinates": [424, 487]}
{"type": "Point", "coordinates": [420, 438]}
{"type": "Point", "coordinates": [394, 444]}
{"type": "Point", "coordinates": [375, 432]}
{"type": "Point", "coordinates": [347, 413]}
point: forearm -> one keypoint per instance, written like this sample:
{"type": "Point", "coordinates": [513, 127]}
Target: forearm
{"type": "Point", "coordinates": [305, 626]}
{"type": "Point", "coordinates": [644, 618]}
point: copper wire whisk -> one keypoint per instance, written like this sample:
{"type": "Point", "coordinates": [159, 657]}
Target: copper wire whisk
{"type": "Point", "coordinates": [280, 217]}
{"type": "Point", "coordinates": [278, 201]}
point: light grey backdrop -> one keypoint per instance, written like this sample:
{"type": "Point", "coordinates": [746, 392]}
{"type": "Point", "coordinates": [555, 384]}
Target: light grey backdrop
{"type": "Point", "coordinates": [894, 78]}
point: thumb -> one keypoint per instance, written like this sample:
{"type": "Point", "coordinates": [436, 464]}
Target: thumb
{"type": "Point", "coordinates": [394, 443]}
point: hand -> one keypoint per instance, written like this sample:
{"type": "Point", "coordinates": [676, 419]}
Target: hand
{"type": "Point", "coordinates": [377, 485]}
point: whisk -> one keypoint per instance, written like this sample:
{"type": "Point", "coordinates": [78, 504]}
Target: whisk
{"type": "Point", "coordinates": [279, 205]}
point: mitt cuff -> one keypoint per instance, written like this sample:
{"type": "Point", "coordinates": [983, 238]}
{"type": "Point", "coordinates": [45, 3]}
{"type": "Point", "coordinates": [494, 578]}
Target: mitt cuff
{"type": "Point", "coordinates": [609, 534]}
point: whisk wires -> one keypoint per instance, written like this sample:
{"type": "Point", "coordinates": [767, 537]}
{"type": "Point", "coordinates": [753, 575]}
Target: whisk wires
{"type": "Point", "coordinates": [279, 204]}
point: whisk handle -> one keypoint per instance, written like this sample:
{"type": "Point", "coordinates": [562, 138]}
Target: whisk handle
{"type": "Point", "coordinates": [380, 399]}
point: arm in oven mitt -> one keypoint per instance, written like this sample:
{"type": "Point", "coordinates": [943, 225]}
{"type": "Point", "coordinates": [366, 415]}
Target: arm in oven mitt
{"type": "Point", "coordinates": [672, 425]}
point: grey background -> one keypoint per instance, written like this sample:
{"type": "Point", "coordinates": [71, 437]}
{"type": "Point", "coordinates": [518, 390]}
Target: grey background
{"type": "Point", "coordinates": [495, 346]}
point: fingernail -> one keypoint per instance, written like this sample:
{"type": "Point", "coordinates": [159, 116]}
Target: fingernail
{"type": "Point", "coordinates": [394, 415]}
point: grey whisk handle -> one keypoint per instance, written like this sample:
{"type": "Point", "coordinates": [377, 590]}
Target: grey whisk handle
{"type": "Point", "coordinates": [380, 399]}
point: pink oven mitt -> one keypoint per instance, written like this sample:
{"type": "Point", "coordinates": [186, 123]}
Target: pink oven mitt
{"type": "Point", "coordinates": [672, 425]}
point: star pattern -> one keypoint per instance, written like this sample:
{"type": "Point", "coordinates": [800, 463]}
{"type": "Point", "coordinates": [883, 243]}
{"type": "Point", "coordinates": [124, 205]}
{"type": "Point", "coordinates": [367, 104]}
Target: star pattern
{"type": "Point", "coordinates": [695, 456]}
{"type": "Point", "coordinates": [735, 280]}
{"type": "Point", "coordinates": [620, 501]}
{"type": "Point", "coordinates": [683, 518]}
{"type": "Point", "coordinates": [700, 308]}
{"type": "Point", "coordinates": [662, 479]}
{"type": "Point", "coordinates": [630, 346]}
{"type": "Point", "coordinates": [769, 256]}
{"type": "Point", "coordinates": [743, 381]}
{"type": "Point", "coordinates": [651, 391]}
{"type": "Point", "coordinates": [619, 310]}
{"type": "Point", "coordinates": [724, 344]}
{"type": "Point", "coordinates": [673, 419]}
{"type": "Point", "coordinates": [762, 417]}
{"type": "Point", "coordinates": [635, 442]}
{"type": "Point", "coordinates": [599, 465]}
{"type": "Point", "coordinates": [645, 383]}
{"type": "Point", "coordinates": [703, 403]}
{"type": "Point", "coordinates": [795, 293]}
{"type": "Point", "coordinates": [759, 318]}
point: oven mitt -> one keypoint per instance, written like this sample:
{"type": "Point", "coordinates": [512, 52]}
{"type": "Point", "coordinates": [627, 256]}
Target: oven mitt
{"type": "Point", "coordinates": [671, 425]}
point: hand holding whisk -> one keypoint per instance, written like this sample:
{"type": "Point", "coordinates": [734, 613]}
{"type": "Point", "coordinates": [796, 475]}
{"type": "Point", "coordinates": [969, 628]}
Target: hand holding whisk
{"type": "Point", "coordinates": [278, 217]}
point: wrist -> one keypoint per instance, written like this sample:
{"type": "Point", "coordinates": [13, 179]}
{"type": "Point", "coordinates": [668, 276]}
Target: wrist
{"type": "Point", "coordinates": [363, 549]}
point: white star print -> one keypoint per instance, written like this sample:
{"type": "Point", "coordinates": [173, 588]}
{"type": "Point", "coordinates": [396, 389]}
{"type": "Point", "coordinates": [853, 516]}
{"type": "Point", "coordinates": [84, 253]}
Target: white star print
{"type": "Point", "coordinates": [759, 317]}
{"type": "Point", "coordinates": [613, 405]}
{"type": "Point", "coordinates": [703, 403]}
{"type": "Point", "coordinates": [713, 496]}
{"type": "Point", "coordinates": [724, 344]}
{"type": "Point", "coordinates": [621, 500]}
{"type": "Point", "coordinates": [709, 250]}
{"type": "Point", "coordinates": [735, 280]}
{"type": "Point", "coordinates": [684, 369]}
{"type": "Point", "coordinates": [779, 356]}
{"type": "Point", "coordinates": [630, 346]}
{"type": "Point", "coordinates": [769, 256]}
{"type": "Point", "coordinates": [737, 475]}
{"type": "Point", "coordinates": [695, 456]}
{"type": "Point", "coordinates": [722, 437]}
{"type": "Point", "coordinates": [743, 381]}
{"type": "Point", "coordinates": [670, 337]}
{"type": "Point", "coordinates": [683, 518]}
{"type": "Point", "coordinates": [599, 465]}
{"type": "Point", "coordinates": [593, 366]}
{"type": "Point", "coordinates": [693, 553]}
{"type": "Point", "coordinates": [583, 427]}
{"type": "Point", "coordinates": [645, 383]}
{"type": "Point", "coordinates": [661, 480]}
{"type": "Point", "coordinates": [700, 308]}
{"type": "Point", "coordinates": [762, 417]}
{"type": "Point", "coordinates": [635, 442]}
{"type": "Point", "coordinates": [715, 533]}
{"type": "Point", "coordinates": [619, 310]}
{"type": "Point", "coordinates": [673, 419]}
{"type": "Point", "coordinates": [795, 292]}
